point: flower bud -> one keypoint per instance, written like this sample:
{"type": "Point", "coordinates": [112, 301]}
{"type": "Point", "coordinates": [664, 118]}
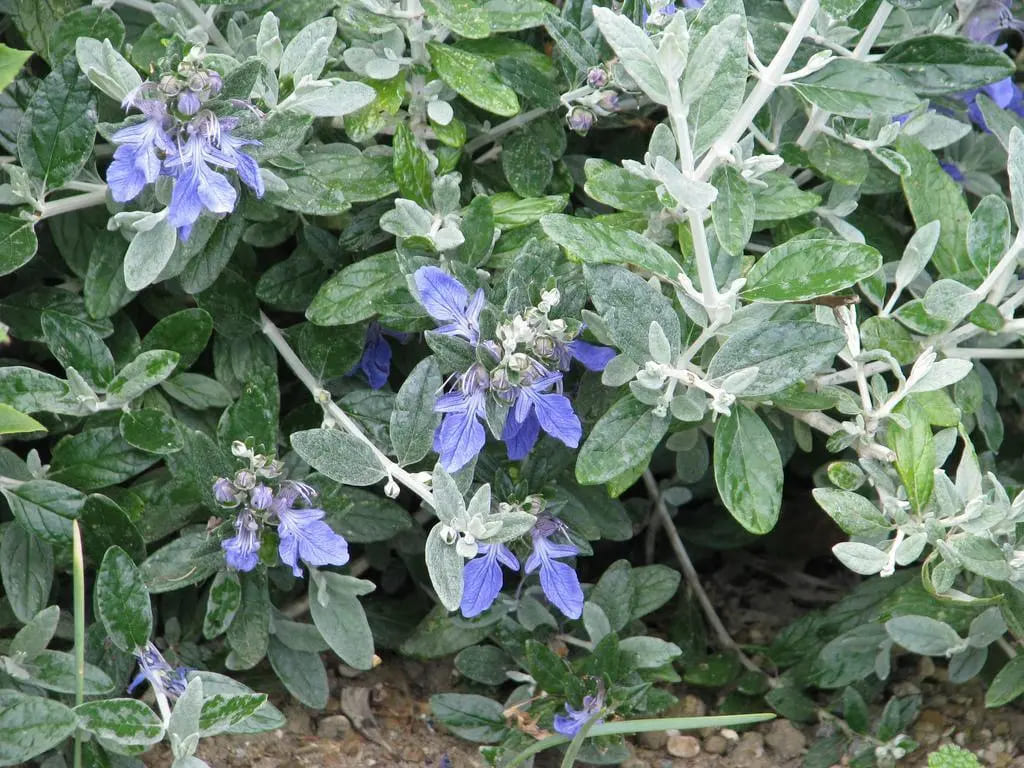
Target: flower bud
{"type": "Point", "coordinates": [597, 77]}
{"type": "Point", "coordinates": [261, 497]}
{"type": "Point", "coordinates": [544, 346]}
{"type": "Point", "coordinates": [580, 120]}
{"type": "Point", "coordinates": [224, 492]}
{"type": "Point", "coordinates": [609, 101]}
{"type": "Point", "coordinates": [239, 449]}
{"type": "Point", "coordinates": [245, 480]}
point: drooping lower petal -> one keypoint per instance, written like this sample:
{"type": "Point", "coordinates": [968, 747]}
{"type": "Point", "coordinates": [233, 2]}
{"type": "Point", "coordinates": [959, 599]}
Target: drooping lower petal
{"type": "Point", "coordinates": [482, 582]}
{"type": "Point", "coordinates": [562, 587]}
{"type": "Point", "coordinates": [520, 436]}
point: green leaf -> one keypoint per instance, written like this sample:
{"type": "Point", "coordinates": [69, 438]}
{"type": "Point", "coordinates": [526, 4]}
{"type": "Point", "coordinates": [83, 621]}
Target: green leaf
{"type": "Point", "coordinates": [104, 291]}
{"type": "Point", "coordinates": [144, 372]}
{"type": "Point", "coordinates": [1007, 685]}
{"type": "Point", "coordinates": [856, 89]}
{"type": "Point", "coordinates": [358, 515]}
{"type": "Point", "coordinates": [57, 133]}
{"type": "Point", "coordinates": [748, 470]}
{"type": "Point", "coordinates": [932, 194]}
{"type": "Point", "coordinates": [782, 199]}
{"type": "Point", "coordinates": [710, 114]}
{"type": "Point", "coordinates": [302, 673]}
{"type": "Point", "coordinates": [649, 652]}
{"type": "Point", "coordinates": [45, 508]}
{"type": "Point", "coordinates": [412, 168]}
{"type": "Point", "coordinates": [223, 712]}
{"type": "Point", "coordinates": [354, 293]}
{"type": "Point", "coordinates": [97, 458]}
{"type": "Point", "coordinates": [30, 726]}
{"type": "Point", "coordinates": [464, 17]}
{"type": "Point", "coordinates": [88, 22]}
{"type": "Point", "coordinates": [222, 603]}
{"type": "Point", "coordinates": [126, 722]}
{"type": "Point", "coordinates": [444, 566]}
{"type": "Point", "coordinates": [472, 77]}
{"type": "Point", "coordinates": [57, 671]}
{"type": "Point", "coordinates": [249, 632]}
{"type": "Point", "coordinates": [186, 332]}
{"type": "Point", "coordinates": [122, 601]}
{"type": "Point", "coordinates": [915, 454]}
{"type": "Point", "coordinates": [148, 253]}
{"type": "Point", "coordinates": [104, 525]}
{"type": "Point", "coordinates": [205, 267]}
{"type": "Point", "coordinates": [254, 414]}
{"type": "Point", "coordinates": [76, 345]}
{"type": "Point", "coordinates": [851, 511]}
{"type": "Point", "coordinates": [487, 664]}
{"type": "Point", "coordinates": [593, 242]}
{"type": "Point", "coordinates": [36, 634]}
{"type": "Point", "coordinates": [988, 234]}
{"type": "Point", "coordinates": [923, 635]}
{"type": "Point", "coordinates": [339, 455]}
{"type": "Point", "coordinates": [18, 242]}
{"type": "Point", "coordinates": [937, 64]}
{"type": "Point", "coordinates": [11, 62]}
{"type": "Point", "coordinates": [340, 618]}
{"type": "Point", "coordinates": [803, 269]}
{"type": "Point", "coordinates": [469, 716]}
{"type": "Point", "coordinates": [628, 305]}
{"type": "Point", "coordinates": [306, 53]}
{"type": "Point", "coordinates": [26, 570]}
{"type": "Point", "coordinates": [14, 422]}
{"type": "Point", "coordinates": [635, 50]}
{"type": "Point", "coordinates": [732, 212]}
{"type": "Point", "coordinates": [841, 9]}
{"type": "Point", "coordinates": [624, 437]}
{"type": "Point", "coordinates": [176, 566]}
{"type": "Point", "coordinates": [38, 21]}
{"type": "Point", "coordinates": [414, 420]}
{"type": "Point", "coordinates": [784, 353]}
{"type": "Point", "coordinates": [107, 69]}
{"type": "Point", "coordinates": [151, 431]}
{"type": "Point", "coordinates": [526, 164]}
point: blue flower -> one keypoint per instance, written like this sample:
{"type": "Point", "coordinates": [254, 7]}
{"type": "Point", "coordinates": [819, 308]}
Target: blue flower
{"type": "Point", "coordinates": [482, 578]}
{"type": "Point", "coordinates": [535, 408]}
{"type": "Point", "coordinates": [243, 163]}
{"type": "Point", "coordinates": [242, 551]}
{"type": "Point", "coordinates": [460, 435]}
{"type": "Point", "coordinates": [571, 723]}
{"type": "Point", "coordinates": [225, 492]}
{"type": "Point", "coordinates": [559, 581]}
{"type": "Point", "coordinates": [954, 171]}
{"type": "Point", "coordinates": [447, 301]}
{"type": "Point", "coordinates": [376, 360]}
{"type": "Point", "coordinates": [987, 20]}
{"type": "Point", "coordinates": [136, 159]}
{"type": "Point", "coordinates": [197, 187]}
{"type": "Point", "coordinates": [166, 680]}
{"type": "Point", "coordinates": [303, 533]}
{"type": "Point", "coordinates": [593, 356]}
{"type": "Point", "coordinates": [188, 102]}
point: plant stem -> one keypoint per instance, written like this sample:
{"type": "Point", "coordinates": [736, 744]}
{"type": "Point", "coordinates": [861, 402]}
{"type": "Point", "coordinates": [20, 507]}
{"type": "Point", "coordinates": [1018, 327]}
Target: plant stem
{"type": "Point", "coordinates": [78, 599]}
{"type": "Point", "coordinates": [770, 79]}
{"type": "Point", "coordinates": [74, 203]}
{"type": "Point", "coordinates": [829, 426]}
{"type": "Point", "coordinates": [985, 353]}
{"type": "Point", "coordinates": [501, 129]}
{"type": "Point", "coordinates": [197, 14]}
{"type": "Point", "coordinates": [874, 28]}
{"type": "Point", "coordinates": [690, 573]}
{"type": "Point", "coordinates": [342, 419]}
{"type": "Point", "coordinates": [577, 743]}
{"type": "Point", "coordinates": [1007, 648]}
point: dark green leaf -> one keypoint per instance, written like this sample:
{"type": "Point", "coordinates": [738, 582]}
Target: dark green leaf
{"type": "Point", "coordinates": [26, 569]}
{"type": "Point", "coordinates": [122, 601]}
{"type": "Point", "coordinates": [30, 726]}
{"type": "Point", "coordinates": [748, 470]}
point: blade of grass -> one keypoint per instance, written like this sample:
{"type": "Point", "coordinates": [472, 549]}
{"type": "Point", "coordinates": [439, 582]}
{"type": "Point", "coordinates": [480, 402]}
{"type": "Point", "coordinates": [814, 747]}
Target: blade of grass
{"type": "Point", "coordinates": [644, 726]}
{"type": "Point", "coordinates": [78, 589]}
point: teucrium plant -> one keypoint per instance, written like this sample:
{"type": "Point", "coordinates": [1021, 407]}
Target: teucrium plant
{"type": "Point", "coordinates": [440, 282]}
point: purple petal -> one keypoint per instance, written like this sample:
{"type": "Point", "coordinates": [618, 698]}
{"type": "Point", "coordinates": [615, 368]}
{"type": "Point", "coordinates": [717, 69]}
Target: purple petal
{"type": "Point", "coordinates": [482, 581]}
{"type": "Point", "coordinates": [304, 535]}
{"type": "Point", "coordinates": [238, 554]}
{"type": "Point", "coordinates": [593, 356]}
{"type": "Point", "coordinates": [561, 585]}
{"type": "Point", "coordinates": [520, 436]}
{"type": "Point", "coordinates": [461, 436]}
{"type": "Point", "coordinates": [441, 295]}
{"type": "Point", "coordinates": [216, 192]}
{"type": "Point", "coordinates": [556, 417]}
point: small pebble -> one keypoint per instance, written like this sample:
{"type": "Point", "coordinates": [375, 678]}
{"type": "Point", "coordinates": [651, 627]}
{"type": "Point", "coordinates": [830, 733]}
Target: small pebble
{"type": "Point", "coordinates": [655, 740]}
{"type": "Point", "coordinates": [683, 746]}
{"type": "Point", "coordinates": [334, 727]}
{"type": "Point", "coordinates": [785, 739]}
{"type": "Point", "coordinates": [715, 745]}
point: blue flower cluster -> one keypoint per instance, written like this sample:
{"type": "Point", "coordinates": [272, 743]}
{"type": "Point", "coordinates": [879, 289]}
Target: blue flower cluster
{"type": "Point", "coordinates": [524, 373]}
{"type": "Point", "coordinates": [985, 22]}
{"type": "Point", "coordinates": [301, 530]}
{"type": "Point", "coordinates": [166, 681]}
{"type": "Point", "coordinates": [482, 578]}
{"type": "Point", "coordinates": [181, 139]}
{"type": "Point", "coordinates": [570, 723]}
